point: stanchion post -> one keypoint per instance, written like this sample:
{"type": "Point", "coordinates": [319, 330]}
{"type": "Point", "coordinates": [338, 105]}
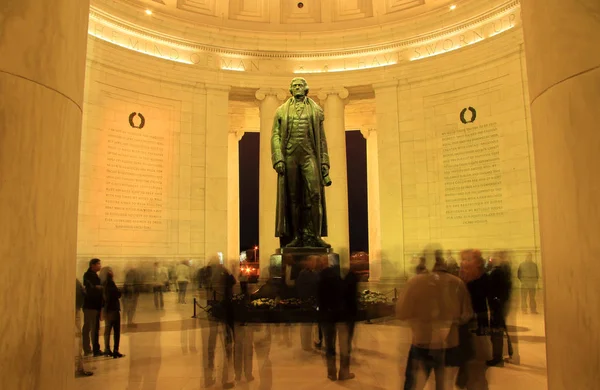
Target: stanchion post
{"type": "Point", "coordinates": [194, 316]}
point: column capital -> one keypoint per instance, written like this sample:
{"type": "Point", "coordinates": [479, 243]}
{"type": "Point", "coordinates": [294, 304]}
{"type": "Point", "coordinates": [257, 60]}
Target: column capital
{"type": "Point", "coordinates": [341, 92]}
{"type": "Point", "coordinates": [279, 93]}
{"type": "Point", "coordinates": [238, 131]}
{"type": "Point", "coordinates": [385, 85]}
{"type": "Point", "coordinates": [366, 130]}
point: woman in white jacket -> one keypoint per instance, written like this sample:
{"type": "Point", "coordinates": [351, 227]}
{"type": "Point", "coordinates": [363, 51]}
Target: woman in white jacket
{"type": "Point", "coordinates": [182, 273]}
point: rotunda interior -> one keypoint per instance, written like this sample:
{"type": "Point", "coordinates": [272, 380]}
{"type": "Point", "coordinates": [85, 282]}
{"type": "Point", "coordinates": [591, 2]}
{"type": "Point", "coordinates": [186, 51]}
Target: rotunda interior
{"type": "Point", "coordinates": [150, 125]}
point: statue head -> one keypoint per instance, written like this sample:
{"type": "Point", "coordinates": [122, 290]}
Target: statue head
{"type": "Point", "coordinates": [299, 87]}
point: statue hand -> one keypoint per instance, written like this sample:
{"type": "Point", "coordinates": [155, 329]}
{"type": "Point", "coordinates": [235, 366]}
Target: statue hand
{"type": "Point", "coordinates": [280, 167]}
{"type": "Point", "coordinates": [324, 170]}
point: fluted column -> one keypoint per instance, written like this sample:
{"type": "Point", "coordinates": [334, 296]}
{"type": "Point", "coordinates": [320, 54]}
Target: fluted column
{"type": "Point", "coordinates": [337, 194]}
{"type": "Point", "coordinates": [269, 100]}
{"type": "Point", "coordinates": [42, 65]}
{"type": "Point", "coordinates": [390, 180]}
{"type": "Point", "coordinates": [216, 171]}
{"type": "Point", "coordinates": [233, 195]}
{"type": "Point", "coordinates": [563, 61]}
{"type": "Point", "coordinates": [370, 135]}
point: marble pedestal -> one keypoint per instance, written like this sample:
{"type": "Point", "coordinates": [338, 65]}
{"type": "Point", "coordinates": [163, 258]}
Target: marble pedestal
{"type": "Point", "coordinates": [285, 266]}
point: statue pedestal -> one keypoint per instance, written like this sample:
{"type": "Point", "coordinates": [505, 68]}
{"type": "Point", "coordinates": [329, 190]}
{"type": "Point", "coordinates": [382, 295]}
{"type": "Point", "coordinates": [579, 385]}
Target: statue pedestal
{"type": "Point", "coordinates": [285, 266]}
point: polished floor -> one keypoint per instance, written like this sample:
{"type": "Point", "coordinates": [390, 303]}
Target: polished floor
{"type": "Point", "coordinates": [165, 352]}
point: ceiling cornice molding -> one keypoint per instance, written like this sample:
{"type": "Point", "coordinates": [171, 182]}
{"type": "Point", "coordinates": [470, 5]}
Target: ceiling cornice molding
{"type": "Point", "coordinates": [134, 30]}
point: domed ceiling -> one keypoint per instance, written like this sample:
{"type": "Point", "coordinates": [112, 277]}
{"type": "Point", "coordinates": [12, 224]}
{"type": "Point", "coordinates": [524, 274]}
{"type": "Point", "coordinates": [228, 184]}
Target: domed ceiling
{"type": "Point", "coordinates": [279, 14]}
{"type": "Point", "coordinates": [298, 36]}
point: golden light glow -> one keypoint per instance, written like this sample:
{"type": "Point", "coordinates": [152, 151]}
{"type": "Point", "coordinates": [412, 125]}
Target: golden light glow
{"type": "Point", "coordinates": [233, 68]}
{"type": "Point", "coordinates": [476, 40]}
{"type": "Point", "coordinates": [148, 12]}
{"type": "Point", "coordinates": [452, 7]}
{"type": "Point", "coordinates": [345, 69]}
{"type": "Point", "coordinates": [139, 50]}
{"type": "Point", "coordinates": [500, 32]}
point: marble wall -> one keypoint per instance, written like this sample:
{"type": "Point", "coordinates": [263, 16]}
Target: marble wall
{"type": "Point", "coordinates": [142, 188]}
{"type": "Point", "coordinates": [411, 114]}
{"type": "Point", "coordinates": [467, 171]}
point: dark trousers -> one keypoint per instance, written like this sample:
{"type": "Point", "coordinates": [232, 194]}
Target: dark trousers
{"type": "Point", "coordinates": [182, 289]}
{"type": "Point", "coordinates": [244, 288]}
{"type": "Point", "coordinates": [112, 322]}
{"type": "Point", "coordinates": [159, 302]}
{"type": "Point", "coordinates": [91, 325]}
{"type": "Point", "coordinates": [243, 351]}
{"type": "Point", "coordinates": [422, 362]}
{"type": "Point", "coordinates": [343, 331]}
{"type": "Point", "coordinates": [498, 312]}
{"type": "Point", "coordinates": [528, 292]}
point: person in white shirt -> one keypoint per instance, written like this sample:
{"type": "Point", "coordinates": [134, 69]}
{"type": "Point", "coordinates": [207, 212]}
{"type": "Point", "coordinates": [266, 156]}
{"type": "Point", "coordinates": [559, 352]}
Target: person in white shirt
{"type": "Point", "coordinates": [182, 273]}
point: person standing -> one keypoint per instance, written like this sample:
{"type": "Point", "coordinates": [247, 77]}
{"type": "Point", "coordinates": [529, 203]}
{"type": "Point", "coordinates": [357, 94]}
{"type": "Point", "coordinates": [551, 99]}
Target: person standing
{"type": "Point", "coordinates": [131, 293]}
{"type": "Point", "coordinates": [335, 320]}
{"type": "Point", "coordinates": [499, 289]}
{"type": "Point", "coordinates": [92, 306]}
{"type": "Point", "coordinates": [160, 278]}
{"type": "Point", "coordinates": [472, 372]}
{"type": "Point", "coordinates": [528, 275]}
{"type": "Point", "coordinates": [183, 278]}
{"type": "Point", "coordinates": [80, 370]}
{"type": "Point", "coordinates": [112, 316]}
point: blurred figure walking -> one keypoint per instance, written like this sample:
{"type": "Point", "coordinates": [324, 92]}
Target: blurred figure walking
{"type": "Point", "coordinates": [131, 293]}
{"type": "Point", "coordinates": [500, 287]}
{"type": "Point", "coordinates": [435, 304]}
{"type": "Point", "coordinates": [473, 335]}
{"type": "Point", "coordinates": [528, 275]}
{"type": "Point", "coordinates": [183, 279]}
{"type": "Point", "coordinates": [160, 278]}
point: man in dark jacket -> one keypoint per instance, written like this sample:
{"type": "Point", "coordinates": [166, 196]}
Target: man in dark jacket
{"type": "Point", "coordinates": [337, 304]}
{"type": "Point", "coordinates": [112, 318]}
{"type": "Point", "coordinates": [80, 370]}
{"type": "Point", "coordinates": [92, 305]}
{"type": "Point", "coordinates": [499, 290]}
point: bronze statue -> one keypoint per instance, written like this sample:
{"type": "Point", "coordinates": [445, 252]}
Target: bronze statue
{"type": "Point", "coordinates": [299, 155]}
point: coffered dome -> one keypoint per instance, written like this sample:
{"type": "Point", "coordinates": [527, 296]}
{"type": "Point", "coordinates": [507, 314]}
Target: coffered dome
{"type": "Point", "coordinates": [283, 15]}
{"type": "Point", "coordinates": [292, 25]}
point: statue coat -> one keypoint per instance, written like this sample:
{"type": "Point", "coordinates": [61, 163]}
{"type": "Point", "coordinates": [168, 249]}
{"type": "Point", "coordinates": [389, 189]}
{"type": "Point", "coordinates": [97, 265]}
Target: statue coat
{"type": "Point", "coordinates": [279, 138]}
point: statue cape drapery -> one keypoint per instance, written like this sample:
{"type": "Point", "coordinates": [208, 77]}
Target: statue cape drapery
{"type": "Point", "coordinates": [280, 133]}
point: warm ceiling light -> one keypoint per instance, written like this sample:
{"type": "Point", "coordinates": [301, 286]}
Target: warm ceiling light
{"type": "Point", "coordinates": [148, 12]}
{"type": "Point", "coordinates": [452, 7]}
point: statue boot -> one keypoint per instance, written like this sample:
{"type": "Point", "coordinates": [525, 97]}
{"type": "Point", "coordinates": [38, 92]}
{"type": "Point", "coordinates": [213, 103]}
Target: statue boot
{"type": "Point", "coordinates": [316, 224]}
{"type": "Point", "coordinates": [297, 240]}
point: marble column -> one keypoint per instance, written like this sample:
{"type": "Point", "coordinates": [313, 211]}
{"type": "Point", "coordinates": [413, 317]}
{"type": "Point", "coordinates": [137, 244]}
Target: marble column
{"type": "Point", "coordinates": [370, 135]}
{"type": "Point", "coordinates": [269, 99]}
{"type": "Point", "coordinates": [336, 195]}
{"type": "Point", "coordinates": [233, 193]}
{"type": "Point", "coordinates": [42, 65]}
{"type": "Point", "coordinates": [390, 181]}
{"type": "Point", "coordinates": [216, 190]}
{"type": "Point", "coordinates": [563, 61]}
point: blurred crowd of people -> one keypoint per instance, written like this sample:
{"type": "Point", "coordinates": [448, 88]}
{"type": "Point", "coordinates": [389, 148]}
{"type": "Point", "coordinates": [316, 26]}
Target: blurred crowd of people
{"type": "Point", "coordinates": [456, 309]}
{"type": "Point", "coordinates": [453, 308]}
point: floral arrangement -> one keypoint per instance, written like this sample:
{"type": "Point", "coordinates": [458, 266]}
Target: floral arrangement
{"type": "Point", "coordinates": [264, 303]}
{"type": "Point", "coordinates": [292, 303]}
{"type": "Point", "coordinates": [368, 297]}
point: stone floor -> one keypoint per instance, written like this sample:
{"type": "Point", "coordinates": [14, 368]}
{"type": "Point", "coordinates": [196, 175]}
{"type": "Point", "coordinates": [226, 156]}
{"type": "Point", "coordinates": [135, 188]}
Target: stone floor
{"type": "Point", "coordinates": [165, 353]}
